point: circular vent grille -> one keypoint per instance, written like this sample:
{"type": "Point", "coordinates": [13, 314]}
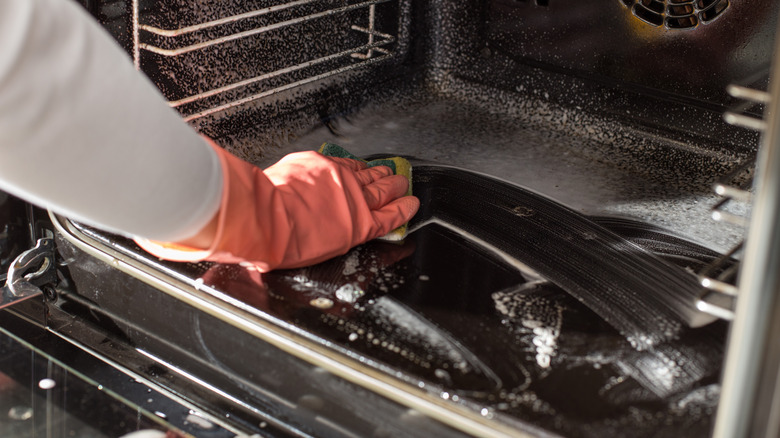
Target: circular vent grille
{"type": "Point", "coordinates": [676, 14]}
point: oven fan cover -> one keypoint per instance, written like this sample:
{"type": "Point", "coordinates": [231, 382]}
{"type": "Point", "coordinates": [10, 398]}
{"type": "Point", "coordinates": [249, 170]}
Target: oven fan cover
{"type": "Point", "coordinates": [676, 14]}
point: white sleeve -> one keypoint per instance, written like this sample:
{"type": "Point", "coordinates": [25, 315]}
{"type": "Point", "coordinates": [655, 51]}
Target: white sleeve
{"type": "Point", "coordinates": [85, 134]}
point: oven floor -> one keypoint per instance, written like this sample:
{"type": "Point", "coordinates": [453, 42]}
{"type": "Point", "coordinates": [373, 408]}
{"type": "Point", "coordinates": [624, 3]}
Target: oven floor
{"type": "Point", "coordinates": [557, 154]}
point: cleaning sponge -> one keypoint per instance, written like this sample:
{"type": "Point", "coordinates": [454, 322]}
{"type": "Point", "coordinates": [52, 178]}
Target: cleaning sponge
{"type": "Point", "coordinates": [400, 166]}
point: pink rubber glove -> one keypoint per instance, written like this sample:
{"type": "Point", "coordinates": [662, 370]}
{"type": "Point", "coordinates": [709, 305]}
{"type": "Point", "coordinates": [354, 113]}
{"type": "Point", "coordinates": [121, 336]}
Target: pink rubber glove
{"type": "Point", "coordinates": [304, 209]}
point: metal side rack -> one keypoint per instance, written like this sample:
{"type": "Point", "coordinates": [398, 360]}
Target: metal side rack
{"type": "Point", "coordinates": [718, 297]}
{"type": "Point", "coordinates": [237, 77]}
{"type": "Point", "coordinates": [719, 294]}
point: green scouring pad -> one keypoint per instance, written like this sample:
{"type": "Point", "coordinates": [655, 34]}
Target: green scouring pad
{"type": "Point", "coordinates": [400, 166]}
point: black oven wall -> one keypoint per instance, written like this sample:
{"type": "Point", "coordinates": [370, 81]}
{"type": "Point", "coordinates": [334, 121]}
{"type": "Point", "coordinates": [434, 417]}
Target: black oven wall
{"type": "Point", "coordinates": [601, 58]}
{"type": "Point", "coordinates": [682, 55]}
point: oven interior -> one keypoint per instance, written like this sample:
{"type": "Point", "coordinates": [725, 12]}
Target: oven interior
{"type": "Point", "coordinates": [610, 112]}
{"type": "Point", "coordinates": [537, 93]}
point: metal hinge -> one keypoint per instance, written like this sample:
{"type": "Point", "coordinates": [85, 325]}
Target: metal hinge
{"type": "Point", "coordinates": [29, 273]}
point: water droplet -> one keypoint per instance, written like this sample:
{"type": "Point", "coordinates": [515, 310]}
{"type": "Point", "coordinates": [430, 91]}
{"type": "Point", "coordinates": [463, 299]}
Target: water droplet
{"type": "Point", "coordinates": [349, 293]}
{"type": "Point", "coordinates": [424, 277]}
{"type": "Point", "coordinates": [47, 384]}
{"type": "Point", "coordinates": [160, 414]}
{"type": "Point", "coordinates": [321, 303]}
{"type": "Point", "coordinates": [353, 336]}
{"type": "Point", "coordinates": [442, 375]}
{"type": "Point", "coordinates": [20, 413]}
{"type": "Point", "coordinates": [196, 420]}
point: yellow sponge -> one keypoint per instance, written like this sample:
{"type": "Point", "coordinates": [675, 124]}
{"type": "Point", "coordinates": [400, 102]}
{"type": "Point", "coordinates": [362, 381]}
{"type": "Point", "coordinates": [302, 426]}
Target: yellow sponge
{"type": "Point", "coordinates": [400, 166]}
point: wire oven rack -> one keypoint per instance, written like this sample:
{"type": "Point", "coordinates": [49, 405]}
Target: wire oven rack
{"type": "Point", "coordinates": [291, 17]}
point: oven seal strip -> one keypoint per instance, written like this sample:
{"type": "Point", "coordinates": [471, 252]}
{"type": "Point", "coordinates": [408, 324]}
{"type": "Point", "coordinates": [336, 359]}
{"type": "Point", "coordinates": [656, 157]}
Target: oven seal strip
{"type": "Point", "coordinates": [349, 369]}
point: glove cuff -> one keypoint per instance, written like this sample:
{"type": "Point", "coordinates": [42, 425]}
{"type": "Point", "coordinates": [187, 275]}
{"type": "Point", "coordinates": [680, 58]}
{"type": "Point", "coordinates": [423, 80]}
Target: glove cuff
{"type": "Point", "coordinates": [246, 209]}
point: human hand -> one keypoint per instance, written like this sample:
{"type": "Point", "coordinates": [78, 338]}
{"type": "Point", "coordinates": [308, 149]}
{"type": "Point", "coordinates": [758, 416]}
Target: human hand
{"type": "Point", "coordinates": [302, 210]}
{"type": "Point", "coordinates": [334, 204]}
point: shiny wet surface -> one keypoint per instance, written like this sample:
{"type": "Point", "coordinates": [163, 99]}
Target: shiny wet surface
{"type": "Point", "coordinates": [455, 311]}
{"type": "Point", "coordinates": [473, 330]}
{"type": "Point", "coordinates": [416, 307]}
{"type": "Point", "coordinates": [443, 314]}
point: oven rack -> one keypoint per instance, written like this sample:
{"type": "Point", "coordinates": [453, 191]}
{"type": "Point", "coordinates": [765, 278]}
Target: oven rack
{"type": "Point", "coordinates": [719, 294]}
{"type": "Point", "coordinates": [377, 47]}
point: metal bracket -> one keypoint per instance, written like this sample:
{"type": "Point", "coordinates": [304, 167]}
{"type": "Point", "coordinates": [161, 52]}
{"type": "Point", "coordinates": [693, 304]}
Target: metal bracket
{"type": "Point", "coordinates": [719, 296]}
{"type": "Point", "coordinates": [30, 271]}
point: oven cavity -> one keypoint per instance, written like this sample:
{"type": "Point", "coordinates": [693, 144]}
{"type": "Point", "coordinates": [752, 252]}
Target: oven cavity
{"type": "Point", "coordinates": [676, 14]}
